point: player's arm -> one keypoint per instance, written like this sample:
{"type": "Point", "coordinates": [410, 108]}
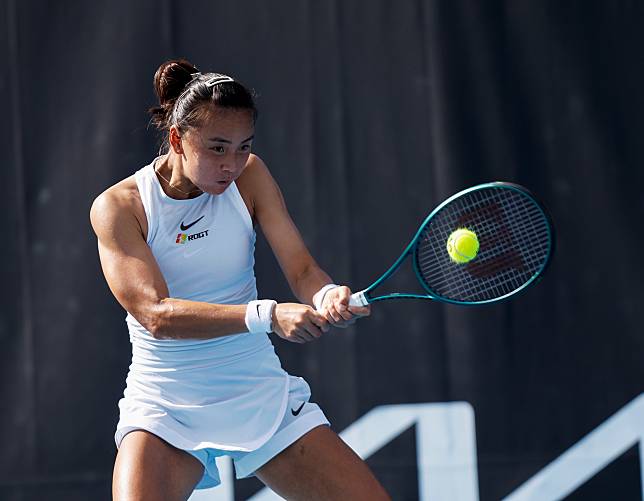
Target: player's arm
{"type": "Point", "coordinates": [135, 280]}
{"type": "Point", "coordinates": [302, 272]}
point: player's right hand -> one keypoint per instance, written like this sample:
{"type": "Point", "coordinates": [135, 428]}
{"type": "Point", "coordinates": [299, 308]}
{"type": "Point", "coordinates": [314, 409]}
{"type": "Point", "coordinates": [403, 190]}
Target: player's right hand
{"type": "Point", "coordinates": [298, 323]}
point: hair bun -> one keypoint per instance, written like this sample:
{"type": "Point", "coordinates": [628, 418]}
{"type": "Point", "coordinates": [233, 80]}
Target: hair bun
{"type": "Point", "coordinates": [169, 81]}
{"type": "Point", "coordinates": [171, 78]}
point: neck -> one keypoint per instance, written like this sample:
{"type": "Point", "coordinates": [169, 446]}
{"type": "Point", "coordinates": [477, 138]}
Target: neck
{"type": "Point", "coordinates": [169, 171]}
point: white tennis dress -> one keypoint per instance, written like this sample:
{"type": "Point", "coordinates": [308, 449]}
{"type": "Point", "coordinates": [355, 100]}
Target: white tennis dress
{"type": "Point", "coordinates": [223, 394]}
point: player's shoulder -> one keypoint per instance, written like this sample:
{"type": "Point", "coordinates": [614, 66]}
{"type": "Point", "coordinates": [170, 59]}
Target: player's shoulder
{"type": "Point", "coordinates": [255, 170]}
{"type": "Point", "coordinates": [255, 178]}
{"type": "Point", "coordinates": [119, 196]}
{"type": "Point", "coordinates": [121, 200]}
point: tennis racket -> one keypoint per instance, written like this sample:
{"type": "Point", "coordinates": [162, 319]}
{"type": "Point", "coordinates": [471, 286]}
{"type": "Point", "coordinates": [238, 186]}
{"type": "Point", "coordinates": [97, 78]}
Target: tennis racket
{"type": "Point", "coordinates": [516, 242]}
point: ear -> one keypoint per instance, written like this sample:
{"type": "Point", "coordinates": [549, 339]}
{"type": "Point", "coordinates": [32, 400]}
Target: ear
{"type": "Point", "coordinates": [175, 140]}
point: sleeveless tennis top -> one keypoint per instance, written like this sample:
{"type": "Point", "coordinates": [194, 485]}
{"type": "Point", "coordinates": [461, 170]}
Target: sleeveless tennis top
{"type": "Point", "coordinates": [226, 393]}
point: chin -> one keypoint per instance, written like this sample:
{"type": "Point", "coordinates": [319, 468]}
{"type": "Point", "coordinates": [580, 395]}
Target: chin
{"type": "Point", "coordinates": [216, 188]}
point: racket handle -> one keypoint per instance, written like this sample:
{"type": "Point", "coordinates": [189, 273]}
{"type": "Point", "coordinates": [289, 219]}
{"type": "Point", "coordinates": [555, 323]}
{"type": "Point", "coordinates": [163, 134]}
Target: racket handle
{"type": "Point", "coordinates": [358, 299]}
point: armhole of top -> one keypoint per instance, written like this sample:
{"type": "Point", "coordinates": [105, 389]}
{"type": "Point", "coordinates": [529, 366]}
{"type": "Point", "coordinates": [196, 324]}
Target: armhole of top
{"type": "Point", "coordinates": [238, 200]}
{"type": "Point", "coordinates": [143, 185]}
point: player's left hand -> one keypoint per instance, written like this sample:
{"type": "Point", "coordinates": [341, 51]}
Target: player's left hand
{"type": "Point", "coordinates": [335, 308]}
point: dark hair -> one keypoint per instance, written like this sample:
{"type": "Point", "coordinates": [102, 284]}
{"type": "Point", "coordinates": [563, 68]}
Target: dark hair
{"type": "Point", "coordinates": [186, 96]}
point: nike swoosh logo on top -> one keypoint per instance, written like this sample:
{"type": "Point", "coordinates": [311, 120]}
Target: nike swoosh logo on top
{"type": "Point", "coordinates": [297, 411]}
{"type": "Point", "coordinates": [184, 227]}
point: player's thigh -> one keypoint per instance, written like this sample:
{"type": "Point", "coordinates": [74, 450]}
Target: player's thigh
{"type": "Point", "coordinates": [320, 466]}
{"type": "Point", "coordinates": [148, 468]}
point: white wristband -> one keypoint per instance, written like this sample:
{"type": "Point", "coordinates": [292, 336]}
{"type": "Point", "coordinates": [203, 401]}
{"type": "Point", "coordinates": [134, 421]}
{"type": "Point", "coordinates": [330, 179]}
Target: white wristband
{"type": "Point", "coordinates": [259, 315]}
{"type": "Point", "coordinates": [318, 297]}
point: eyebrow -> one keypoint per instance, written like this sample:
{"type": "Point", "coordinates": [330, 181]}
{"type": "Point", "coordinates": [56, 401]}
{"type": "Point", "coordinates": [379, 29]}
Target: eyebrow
{"type": "Point", "coordinates": [222, 140]}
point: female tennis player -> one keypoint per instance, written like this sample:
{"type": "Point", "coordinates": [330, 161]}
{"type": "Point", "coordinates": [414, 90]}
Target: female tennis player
{"type": "Point", "coordinates": [176, 243]}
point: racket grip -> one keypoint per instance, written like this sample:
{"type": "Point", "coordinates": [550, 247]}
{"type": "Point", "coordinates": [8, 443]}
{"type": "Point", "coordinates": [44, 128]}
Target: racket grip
{"type": "Point", "coordinates": [358, 299]}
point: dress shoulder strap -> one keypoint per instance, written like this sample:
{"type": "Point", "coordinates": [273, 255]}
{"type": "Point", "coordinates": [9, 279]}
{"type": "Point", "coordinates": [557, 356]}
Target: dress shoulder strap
{"type": "Point", "coordinates": [145, 182]}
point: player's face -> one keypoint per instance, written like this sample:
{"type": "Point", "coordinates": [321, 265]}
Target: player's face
{"type": "Point", "coordinates": [217, 152]}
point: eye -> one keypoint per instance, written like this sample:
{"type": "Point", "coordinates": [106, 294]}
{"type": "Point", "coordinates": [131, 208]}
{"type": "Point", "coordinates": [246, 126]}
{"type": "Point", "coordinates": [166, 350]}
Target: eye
{"type": "Point", "coordinates": [218, 149]}
{"type": "Point", "coordinates": [244, 148]}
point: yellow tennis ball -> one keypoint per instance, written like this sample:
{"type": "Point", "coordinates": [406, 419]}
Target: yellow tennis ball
{"type": "Point", "coordinates": [462, 245]}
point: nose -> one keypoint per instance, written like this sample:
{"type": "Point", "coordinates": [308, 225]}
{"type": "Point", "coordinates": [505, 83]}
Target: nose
{"type": "Point", "coordinates": [228, 161]}
{"type": "Point", "coordinates": [227, 164]}
{"type": "Point", "coordinates": [233, 164]}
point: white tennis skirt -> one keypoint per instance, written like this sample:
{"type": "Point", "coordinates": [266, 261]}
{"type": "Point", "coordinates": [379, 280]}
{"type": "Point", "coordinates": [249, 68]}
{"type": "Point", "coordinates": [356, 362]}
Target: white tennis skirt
{"type": "Point", "coordinates": [226, 393]}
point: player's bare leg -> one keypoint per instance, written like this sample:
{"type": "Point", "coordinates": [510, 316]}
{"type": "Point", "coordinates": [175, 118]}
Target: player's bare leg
{"type": "Point", "coordinates": [149, 469]}
{"type": "Point", "coordinates": [320, 466]}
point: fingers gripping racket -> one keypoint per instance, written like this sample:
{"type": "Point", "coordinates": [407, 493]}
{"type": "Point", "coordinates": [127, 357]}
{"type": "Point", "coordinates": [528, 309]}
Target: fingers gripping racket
{"type": "Point", "coordinates": [515, 243]}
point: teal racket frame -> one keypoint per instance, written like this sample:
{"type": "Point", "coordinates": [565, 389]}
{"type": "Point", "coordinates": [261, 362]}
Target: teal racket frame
{"type": "Point", "coordinates": [364, 297]}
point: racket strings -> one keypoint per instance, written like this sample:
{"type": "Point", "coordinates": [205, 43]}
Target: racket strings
{"type": "Point", "coordinates": [514, 237]}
